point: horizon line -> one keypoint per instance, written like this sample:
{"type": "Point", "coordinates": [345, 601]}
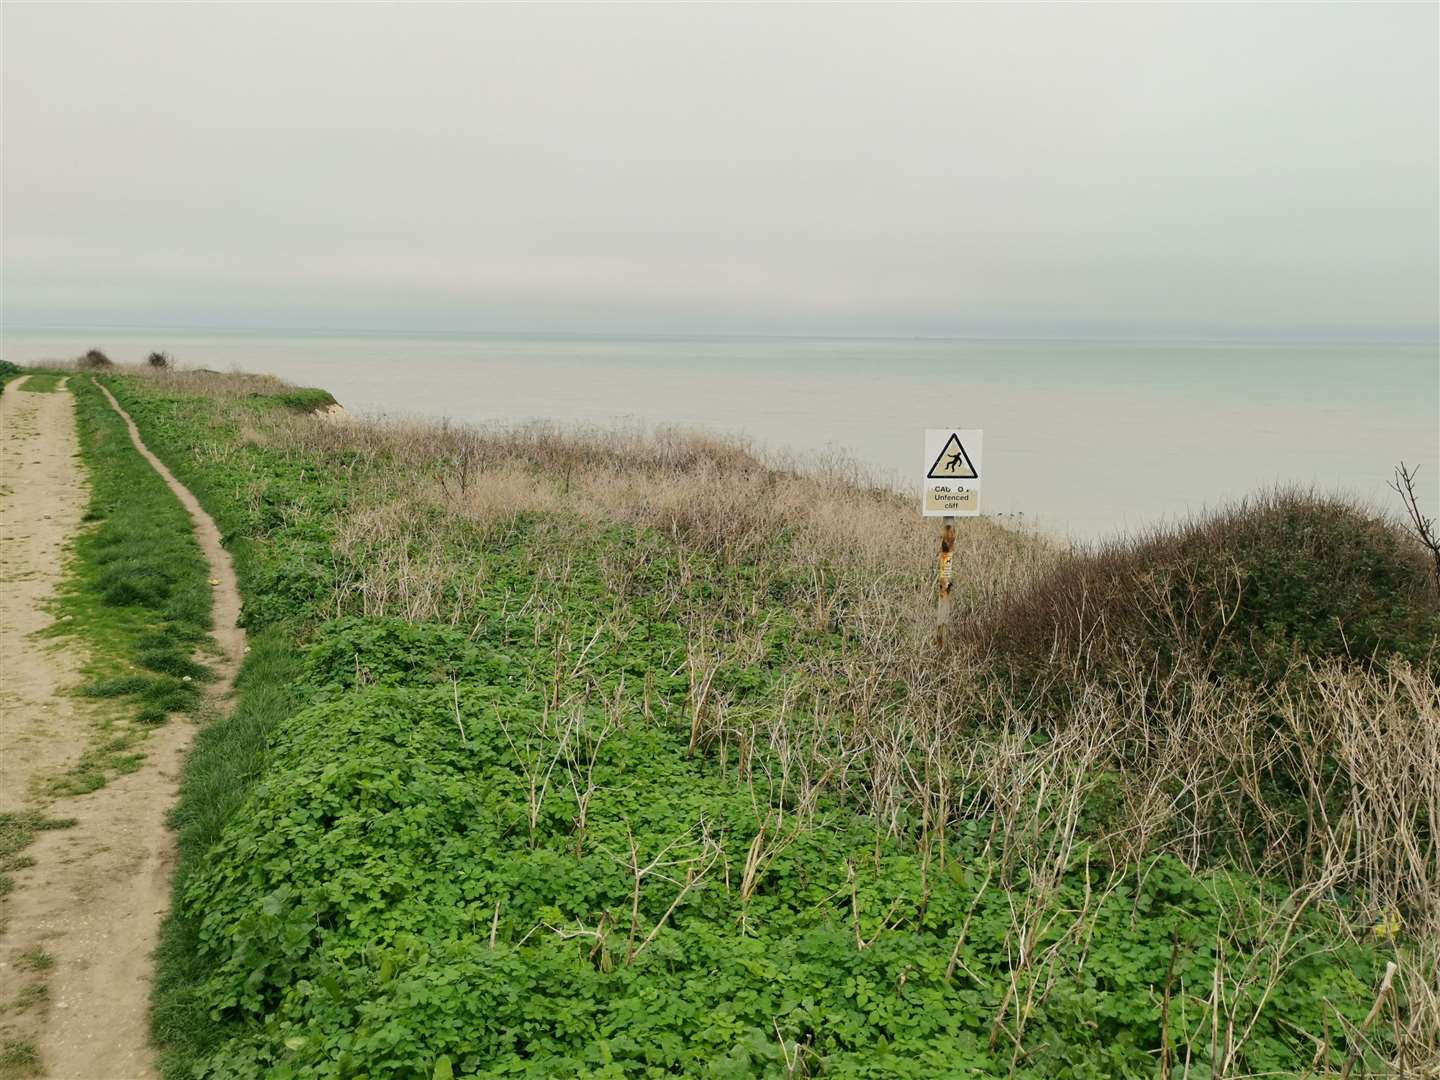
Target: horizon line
{"type": "Point", "coordinates": [1174, 338]}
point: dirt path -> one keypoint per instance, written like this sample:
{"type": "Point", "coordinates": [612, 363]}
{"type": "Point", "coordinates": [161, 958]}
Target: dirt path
{"type": "Point", "coordinates": [226, 596]}
{"type": "Point", "coordinates": [42, 498]}
{"type": "Point", "coordinates": [98, 891]}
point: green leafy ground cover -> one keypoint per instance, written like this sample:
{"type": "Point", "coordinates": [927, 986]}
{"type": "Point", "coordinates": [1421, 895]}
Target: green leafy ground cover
{"type": "Point", "coordinates": [482, 846]}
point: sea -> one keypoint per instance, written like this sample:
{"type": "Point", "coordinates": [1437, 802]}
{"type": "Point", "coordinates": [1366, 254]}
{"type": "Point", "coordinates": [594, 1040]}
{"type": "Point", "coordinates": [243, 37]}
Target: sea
{"type": "Point", "coordinates": [1085, 440]}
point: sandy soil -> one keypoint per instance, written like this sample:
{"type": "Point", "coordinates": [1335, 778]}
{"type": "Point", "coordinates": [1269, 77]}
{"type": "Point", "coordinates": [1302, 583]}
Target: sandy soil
{"type": "Point", "coordinates": [42, 497]}
{"type": "Point", "coordinates": [97, 893]}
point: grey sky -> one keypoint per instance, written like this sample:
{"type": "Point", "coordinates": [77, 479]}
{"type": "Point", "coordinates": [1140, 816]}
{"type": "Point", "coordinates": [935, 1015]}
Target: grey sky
{"type": "Point", "coordinates": [1029, 169]}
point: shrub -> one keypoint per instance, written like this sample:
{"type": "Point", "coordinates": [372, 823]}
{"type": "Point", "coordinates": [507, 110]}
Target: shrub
{"type": "Point", "coordinates": [1241, 592]}
{"type": "Point", "coordinates": [94, 358]}
{"type": "Point", "coordinates": [160, 360]}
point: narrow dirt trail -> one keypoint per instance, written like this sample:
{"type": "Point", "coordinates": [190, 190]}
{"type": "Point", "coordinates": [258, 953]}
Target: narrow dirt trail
{"type": "Point", "coordinates": [95, 898]}
{"type": "Point", "coordinates": [226, 596]}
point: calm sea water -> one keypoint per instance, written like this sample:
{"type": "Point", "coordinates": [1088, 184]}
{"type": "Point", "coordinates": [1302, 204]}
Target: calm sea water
{"type": "Point", "coordinates": [1083, 438]}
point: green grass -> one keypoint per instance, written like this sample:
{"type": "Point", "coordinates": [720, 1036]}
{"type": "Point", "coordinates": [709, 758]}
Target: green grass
{"type": "Point", "coordinates": [36, 959]}
{"type": "Point", "coordinates": [30, 996]}
{"type": "Point", "coordinates": [304, 399]}
{"type": "Point", "coordinates": [136, 592]}
{"type": "Point", "coordinates": [110, 754]}
{"type": "Point", "coordinates": [19, 1059]}
{"type": "Point", "coordinates": [43, 382]}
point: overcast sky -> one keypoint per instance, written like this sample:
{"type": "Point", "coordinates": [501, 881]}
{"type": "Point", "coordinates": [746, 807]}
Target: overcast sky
{"type": "Point", "coordinates": [1205, 170]}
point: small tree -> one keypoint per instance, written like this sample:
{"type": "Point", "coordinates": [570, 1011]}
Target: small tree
{"type": "Point", "coordinates": [1420, 526]}
{"type": "Point", "coordinates": [159, 360]}
{"type": "Point", "coordinates": [95, 359]}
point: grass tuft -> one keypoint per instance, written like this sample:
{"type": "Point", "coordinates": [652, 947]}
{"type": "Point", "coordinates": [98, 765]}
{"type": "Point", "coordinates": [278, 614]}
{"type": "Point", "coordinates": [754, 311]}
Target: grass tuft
{"type": "Point", "coordinates": [18, 1059]}
{"type": "Point", "coordinates": [30, 996]}
{"type": "Point", "coordinates": [36, 959]}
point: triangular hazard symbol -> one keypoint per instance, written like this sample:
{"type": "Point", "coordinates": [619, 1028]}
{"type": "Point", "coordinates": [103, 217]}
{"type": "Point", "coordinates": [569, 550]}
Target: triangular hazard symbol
{"type": "Point", "coordinates": [953, 463]}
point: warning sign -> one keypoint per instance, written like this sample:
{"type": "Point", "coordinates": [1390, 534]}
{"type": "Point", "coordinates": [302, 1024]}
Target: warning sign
{"type": "Point", "coordinates": [953, 463]}
{"type": "Point", "coordinates": [951, 484]}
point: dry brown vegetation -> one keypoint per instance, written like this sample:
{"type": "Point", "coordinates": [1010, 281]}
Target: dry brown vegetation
{"type": "Point", "coordinates": [1323, 774]}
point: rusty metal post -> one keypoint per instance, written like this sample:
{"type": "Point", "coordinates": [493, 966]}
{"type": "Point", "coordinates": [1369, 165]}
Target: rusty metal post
{"type": "Point", "coordinates": [942, 603]}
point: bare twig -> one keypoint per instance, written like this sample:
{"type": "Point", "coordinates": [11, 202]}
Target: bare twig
{"type": "Point", "coordinates": [1421, 526]}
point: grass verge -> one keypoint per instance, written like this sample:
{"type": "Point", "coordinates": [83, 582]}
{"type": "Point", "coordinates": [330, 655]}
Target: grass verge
{"type": "Point", "coordinates": [42, 382]}
{"type": "Point", "coordinates": [137, 593]}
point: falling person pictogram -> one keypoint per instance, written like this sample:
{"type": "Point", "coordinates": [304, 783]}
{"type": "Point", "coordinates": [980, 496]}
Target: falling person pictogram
{"type": "Point", "coordinates": [953, 463]}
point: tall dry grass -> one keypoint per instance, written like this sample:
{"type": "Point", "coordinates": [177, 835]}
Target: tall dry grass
{"type": "Point", "coordinates": [227, 386]}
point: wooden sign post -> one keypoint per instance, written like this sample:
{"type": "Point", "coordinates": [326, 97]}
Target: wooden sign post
{"type": "Point", "coordinates": [942, 603]}
{"type": "Point", "coordinates": [950, 488]}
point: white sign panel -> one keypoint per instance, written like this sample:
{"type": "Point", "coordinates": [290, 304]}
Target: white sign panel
{"type": "Point", "coordinates": [951, 485]}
